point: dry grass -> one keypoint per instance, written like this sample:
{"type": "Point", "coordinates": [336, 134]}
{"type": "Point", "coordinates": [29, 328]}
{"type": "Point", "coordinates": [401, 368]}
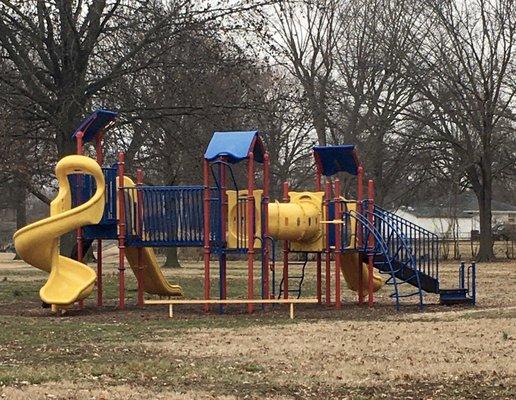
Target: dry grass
{"type": "Point", "coordinates": [357, 353]}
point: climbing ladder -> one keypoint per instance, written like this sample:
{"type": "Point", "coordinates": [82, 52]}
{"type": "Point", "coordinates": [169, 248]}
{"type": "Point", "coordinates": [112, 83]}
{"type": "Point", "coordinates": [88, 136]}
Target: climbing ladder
{"type": "Point", "coordinates": [296, 280]}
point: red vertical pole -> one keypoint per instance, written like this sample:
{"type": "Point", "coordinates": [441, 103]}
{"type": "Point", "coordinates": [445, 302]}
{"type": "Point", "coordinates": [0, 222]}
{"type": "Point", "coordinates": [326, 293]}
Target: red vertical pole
{"type": "Point", "coordinates": [121, 232]}
{"type": "Point", "coordinates": [265, 225]}
{"type": "Point", "coordinates": [338, 243]}
{"type": "Point", "coordinates": [139, 210]}
{"type": "Point", "coordinates": [318, 259]}
{"type": "Point", "coordinates": [100, 161]}
{"type": "Point", "coordinates": [285, 248]}
{"type": "Point", "coordinates": [223, 224]}
{"type": "Point", "coordinates": [250, 230]}
{"type": "Point", "coordinates": [80, 150]}
{"type": "Point", "coordinates": [206, 223]}
{"type": "Point", "coordinates": [370, 205]}
{"type": "Point", "coordinates": [327, 274]}
{"type": "Point", "coordinates": [360, 197]}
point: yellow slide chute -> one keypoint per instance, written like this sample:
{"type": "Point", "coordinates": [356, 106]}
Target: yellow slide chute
{"type": "Point", "coordinates": [351, 271]}
{"type": "Point", "coordinates": [38, 243]}
{"type": "Point", "coordinates": [69, 280]}
{"type": "Point", "coordinates": [154, 282]}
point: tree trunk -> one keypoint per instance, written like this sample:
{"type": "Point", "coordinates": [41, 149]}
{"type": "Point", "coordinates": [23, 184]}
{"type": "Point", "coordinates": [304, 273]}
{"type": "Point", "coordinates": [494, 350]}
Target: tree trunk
{"type": "Point", "coordinates": [21, 207]}
{"type": "Point", "coordinates": [21, 210]}
{"type": "Point", "coordinates": [68, 115]}
{"type": "Point", "coordinates": [481, 179]}
{"type": "Point", "coordinates": [485, 251]}
{"type": "Point", "coordinates": [171, 261]}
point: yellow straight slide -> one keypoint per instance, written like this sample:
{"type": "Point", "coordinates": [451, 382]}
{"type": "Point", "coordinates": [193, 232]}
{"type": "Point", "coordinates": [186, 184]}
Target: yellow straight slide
{"type": "Point", "coordinates": [154, 282]}
{"type": "Point", "coordinates": [38, 243]}
{"type": "Point", "coordinates": [352, 272]}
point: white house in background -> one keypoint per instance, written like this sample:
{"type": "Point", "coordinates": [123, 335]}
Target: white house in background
{"type": "Point", "coordinates": [459, 220]}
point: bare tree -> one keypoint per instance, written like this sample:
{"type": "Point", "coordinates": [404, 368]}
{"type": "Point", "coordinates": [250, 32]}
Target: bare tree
{"type": "Point", "coordinates": [304, 39]}
{"type": "Point", "coordinates": [373, 93]}
{"type": "Point", "coordinates": [464, 72]}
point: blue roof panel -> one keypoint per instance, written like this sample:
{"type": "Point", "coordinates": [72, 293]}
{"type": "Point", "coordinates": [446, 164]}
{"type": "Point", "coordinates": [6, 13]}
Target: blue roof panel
{"type": "Point", "coordinates": [333, 159]}
{"type": "Point", "coordinates": [94, 123]}
{"type": "Point", "coordinates": [235, 146]}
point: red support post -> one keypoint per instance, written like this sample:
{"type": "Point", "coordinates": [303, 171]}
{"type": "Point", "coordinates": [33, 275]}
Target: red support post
{"type": "Point", "coordinates": [250, 230]}
{"type": "Point", "coordinates": [265, 225]}
{"type": "Point", "coordinates": [121, 232]}
{"type": "Point", "coordinates": [338, 243]}
{"type": "Point", "coordinates": [370, 205]}
{"type": "Point", "coordinates": [206, 225]}
{"type": "Point", "coordinates": [327, 275]}
{"type": "Point", "coordinates": [100, 161]}
{"type": "Point", "coordinates": [360, 198]}
{"type": "Point", "coordinates": [139, 211]}
{"type": "Point", "coordinates": [78, 137]}
{"type": "Point", "coordinates": [285, 248]}
{"type": "Point", "coordinates": [318, 259]}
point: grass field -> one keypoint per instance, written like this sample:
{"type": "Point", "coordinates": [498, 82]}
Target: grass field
{"type": "Point", "coordinates": [356, 353]}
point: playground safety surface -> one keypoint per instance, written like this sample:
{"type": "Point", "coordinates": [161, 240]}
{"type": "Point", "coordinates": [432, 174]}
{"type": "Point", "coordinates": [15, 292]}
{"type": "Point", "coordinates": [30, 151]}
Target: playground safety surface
{"type": "Point", "coordinates": [356, 353]}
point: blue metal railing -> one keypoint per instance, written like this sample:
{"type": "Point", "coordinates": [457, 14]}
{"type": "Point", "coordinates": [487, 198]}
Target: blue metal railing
{"type": "Point", "coordinates": [423, 244]}
{"type": "Point", "coordinates": [169, 216]}
{"type": "Point", "coordinates": [380, 247]}
{"type": "Point", "coordinates": [467, 280]}
{"type": "Point", "coordinates": [406, 251]}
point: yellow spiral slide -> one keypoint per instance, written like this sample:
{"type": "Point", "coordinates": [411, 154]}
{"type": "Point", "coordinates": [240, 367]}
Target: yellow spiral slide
{"type": "Point", "coordinates": [69, 280]}
{"type": "Point", "coordinates": [38, 243]}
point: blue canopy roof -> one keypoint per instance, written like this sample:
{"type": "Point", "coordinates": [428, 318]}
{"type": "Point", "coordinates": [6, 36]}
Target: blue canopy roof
{"type": "Point", "coordinates": [94, 123]}
{"type": "Point", "coordinates": [235, 146]}
{"type": "Point", "coordinates": [333, 159]}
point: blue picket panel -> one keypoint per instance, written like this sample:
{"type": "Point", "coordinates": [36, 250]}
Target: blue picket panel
{"type": "Point", "coordinates": [171, 216]}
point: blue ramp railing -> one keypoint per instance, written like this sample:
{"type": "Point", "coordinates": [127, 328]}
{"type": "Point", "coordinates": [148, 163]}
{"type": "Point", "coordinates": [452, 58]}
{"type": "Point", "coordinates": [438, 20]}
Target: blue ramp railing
{"type": "Point", "coordinates": [403, 250]}
{"type": "Point", "coordinates": [423, 244]}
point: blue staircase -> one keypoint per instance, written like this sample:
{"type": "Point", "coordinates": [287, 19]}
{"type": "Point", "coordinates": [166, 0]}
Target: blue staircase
{"type": "Point", "coordinates": [409, 255]}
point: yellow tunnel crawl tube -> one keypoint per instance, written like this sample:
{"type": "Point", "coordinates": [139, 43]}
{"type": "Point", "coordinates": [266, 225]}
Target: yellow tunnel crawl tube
{"type": "Point", "coordinates": [299, 220]}
{"type": "Point", "coordinates": [350, 270]}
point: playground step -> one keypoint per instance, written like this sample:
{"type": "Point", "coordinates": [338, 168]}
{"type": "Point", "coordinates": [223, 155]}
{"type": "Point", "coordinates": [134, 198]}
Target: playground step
{"type": "Point", "coordinates": [454, 296]}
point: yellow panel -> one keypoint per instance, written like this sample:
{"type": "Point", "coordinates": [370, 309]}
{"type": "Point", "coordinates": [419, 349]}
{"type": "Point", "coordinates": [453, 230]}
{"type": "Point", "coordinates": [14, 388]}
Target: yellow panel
{"type": "Point", "coordinates": [352, 224]}
{"type": "Point", "coordinates": [237, 229]}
